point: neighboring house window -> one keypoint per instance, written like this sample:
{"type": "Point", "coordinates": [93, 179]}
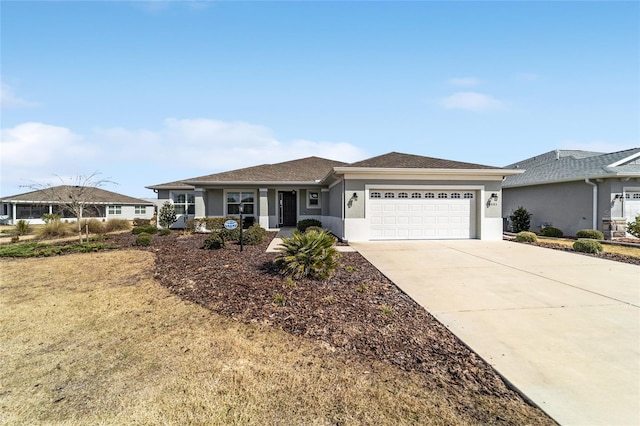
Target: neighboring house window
{"type": "Point", "coordinates": [442, 195]}
{"type": "Point", "coordinates": [455, 195]}
{"type": "Point", "coordinates": [389, 195]}
{"type": "Point", "coordinates": [416, 195]}
{"type": "Point", "coordinates": [234, 199]}
{"type": "Point", "coordinates": [141, 209]}
{"type": "Point", "coordinates": [115, 209]}
{"type": "Point", "coordinates": [468, 195]}
{"type": "Point", "coordinates": [429, 195]}
{"type": "Point", "coordinates": [403, 195]}
{"type": "Point", "coordinates": [31, 211]}
{"type": "Point", "coordinates": [375, 195]}
{"type": "Point", "coordinates": [184, 203]}
{"type": "Point", "coordinates": [313, 199]}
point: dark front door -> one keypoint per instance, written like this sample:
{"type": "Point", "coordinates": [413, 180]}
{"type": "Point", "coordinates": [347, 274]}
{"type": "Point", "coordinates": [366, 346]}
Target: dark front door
{"type": "Point", "coordinates": [287, 209]}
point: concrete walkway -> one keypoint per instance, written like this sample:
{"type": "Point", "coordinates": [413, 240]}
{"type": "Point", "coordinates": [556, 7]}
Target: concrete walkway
{"type": "Point", "coordinates": [561, 327]}
{"type": "Point", "coordinates": [286, 233]}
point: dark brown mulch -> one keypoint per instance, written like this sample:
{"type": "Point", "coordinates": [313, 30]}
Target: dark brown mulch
{"type": "Point", "coordinates": [358, 311]}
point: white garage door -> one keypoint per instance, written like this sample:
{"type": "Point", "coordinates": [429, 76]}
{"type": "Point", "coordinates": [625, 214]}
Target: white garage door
{"type": "Point", "coordinates": [631, 206]}
{"type": "Point", "coordinates": [421, 215]}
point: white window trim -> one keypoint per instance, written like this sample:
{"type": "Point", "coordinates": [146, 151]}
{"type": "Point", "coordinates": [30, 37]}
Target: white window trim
{"type": "Point", "coordinates": [255, 203]}
{"type": "Point", "coordinates": [311, 206]}
{"type": "Point", "coordinates": [115, 207]}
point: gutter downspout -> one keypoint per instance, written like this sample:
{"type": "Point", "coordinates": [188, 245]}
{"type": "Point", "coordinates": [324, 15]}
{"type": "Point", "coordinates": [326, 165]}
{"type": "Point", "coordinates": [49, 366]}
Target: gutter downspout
{"type": "Point", "coordinates": [595, 202]}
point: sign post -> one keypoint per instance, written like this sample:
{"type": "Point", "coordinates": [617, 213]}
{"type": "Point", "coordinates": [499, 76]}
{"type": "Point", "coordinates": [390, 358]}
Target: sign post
{"type": "Point", "coordinates": [241, 209]}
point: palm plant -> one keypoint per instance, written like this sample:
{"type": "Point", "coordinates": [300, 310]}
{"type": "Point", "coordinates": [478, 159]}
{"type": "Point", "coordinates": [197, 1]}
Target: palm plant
{"type": "Point", "coordinates": [311, 254]}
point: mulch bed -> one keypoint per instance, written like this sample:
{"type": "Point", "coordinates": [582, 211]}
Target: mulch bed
{"type": "Point", "coordinates": [609, 256]}
{"type": "Point", "coordinates": [357, 312]}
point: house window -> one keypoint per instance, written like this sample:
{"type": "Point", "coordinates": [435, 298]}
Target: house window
{"type": "Point", "coordinates": [455, 195]}
{"type": "Point", "coordinates": [115, 209]}
{"type": "Point", "coordinates": [429, 195]}
{"type": "Point", "coordinates": [403, 195]}
{"type": "Point", "coordinates": [468, 195]}
{"type": "Point", "coordinates": [141, 209]}
{"type": "Point", "coordinates": [443, 195]}
{"type": "Point", "coordinates": [416, 195]}
{"type": "Point", "coordinates": [389, 195]}
{"type": "Point", "coordinates": [234, 199]}
{"type": "Point", "coordinates": [31, 211]}
{"type": "Point", "coordinates": [184, 202]}
{"type": "Point", "coordinates": [313, 199]}
{"type": "Point", "coordinates": [375, 195]}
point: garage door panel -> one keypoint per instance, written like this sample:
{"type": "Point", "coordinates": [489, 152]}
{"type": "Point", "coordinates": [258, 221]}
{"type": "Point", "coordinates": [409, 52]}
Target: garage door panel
{"type": "Point", "coordinates": [446, 217]}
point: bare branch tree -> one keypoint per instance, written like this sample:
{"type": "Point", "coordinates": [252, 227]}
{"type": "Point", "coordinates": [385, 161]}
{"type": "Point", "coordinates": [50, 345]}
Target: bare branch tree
{"type": "Point", "coordinates": [73, 195]}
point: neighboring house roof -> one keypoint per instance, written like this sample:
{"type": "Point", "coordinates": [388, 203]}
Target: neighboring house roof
{"type": "Point", "coordinates": [93, 195]}
{"type": "Point", "coordinates": [397, 160]}
{"type": "Point", "coordinates": [571, 165]}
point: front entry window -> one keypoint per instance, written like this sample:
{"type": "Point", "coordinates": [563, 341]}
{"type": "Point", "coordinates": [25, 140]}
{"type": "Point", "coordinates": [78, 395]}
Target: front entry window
{"type": "Point", "coordinates": [234, 199]}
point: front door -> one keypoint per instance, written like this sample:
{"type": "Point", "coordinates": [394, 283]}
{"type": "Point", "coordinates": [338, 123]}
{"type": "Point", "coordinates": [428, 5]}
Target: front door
{"type": "Point", "coordinates": [288, 208]}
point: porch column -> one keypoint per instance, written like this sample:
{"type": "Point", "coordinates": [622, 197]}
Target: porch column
{"type": "Point", "coordinates": [263, 209]}
{"type": "Point", "coordinates": [200, 208]}
{"type": "Point", "coordinates": [14, 208]}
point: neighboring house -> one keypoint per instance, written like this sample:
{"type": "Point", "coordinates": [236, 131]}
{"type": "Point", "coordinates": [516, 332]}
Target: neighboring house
{"type": "Point", "coordinates": [574, 190]}
{"type": "Point", "coordinates": [101, 204]}
{"type": "Point", "coordinates": [392, 196]}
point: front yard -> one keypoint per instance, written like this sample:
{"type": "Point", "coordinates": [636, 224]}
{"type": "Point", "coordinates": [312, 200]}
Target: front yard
{"type": "Point", "coordinates": [176, 334]}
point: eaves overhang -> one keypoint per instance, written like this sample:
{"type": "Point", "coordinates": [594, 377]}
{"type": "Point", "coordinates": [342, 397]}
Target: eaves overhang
{"type": "Point", "coordinates": [425, 172]}
{"type": "Point", "coordinates": [574, 179]}
{"type": "Point", "coordinates": [251, 183]}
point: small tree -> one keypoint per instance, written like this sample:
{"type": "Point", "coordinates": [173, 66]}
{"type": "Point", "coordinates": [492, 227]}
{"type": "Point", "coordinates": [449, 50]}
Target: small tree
{"type": "Point", "coordinates": [634, 227]}
{"type": "Point", "coordinates": [520, 220]}
{"type": "Point", "coordinates": [74, 195]}
{"type": "Point", "coordinates": [167, 215]}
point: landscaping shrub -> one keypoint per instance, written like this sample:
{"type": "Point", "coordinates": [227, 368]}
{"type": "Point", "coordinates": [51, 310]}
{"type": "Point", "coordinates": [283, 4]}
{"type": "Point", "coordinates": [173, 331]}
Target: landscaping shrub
{"type": "Point", "coordinates": [50, 217]}
{"type": "Point", "coordinates": [144, 229]}
{"type": "Point", "coordinates": [254, 235]}
{"type": "Point", "coordinates": [310, 254]}
{"type": "Point", "coordinates": [634, 227]}
{"type": "Point", "coordinates": [305, 223]}
{"type": "Point", "coordinates": [167, 215]}
{"type": "Point", "coordinates": [526, 237]}
{"type": "Point", "coordinates": [520, 220]}
{"type": "Point", "coordinates": [22, 227]}
{"type": "Point", "coordinates": [314, 228]}
{"type": "Point", "coordinates": [95, 226]}
{"type": "Point", "coordinates": [550, 231]}
{"type": "Point", "coordinates": [118, 225]}
{"type": "Point", "coordinates": [144, 239]}
{"type": "Point", "coordinates": [138, 221]}
{"type": "Point", "coordinates": [214, 241]}
{"type": "Point", "coordinates": [587, 246]}
{"type": "Point", "coordinates": [164, 232]}
{"type": "Point", "coordinates": [592, 234]}
{"type": "Point", "coordinates": [229, 234]}
{"type": "Point", "coordinates": [32, 249]}
{"type": "Point", "coordinates": [54, 229]}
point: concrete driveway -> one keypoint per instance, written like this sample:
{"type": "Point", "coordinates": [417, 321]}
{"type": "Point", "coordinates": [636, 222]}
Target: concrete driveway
{"type": "Point", "coordinates": [561, 327]}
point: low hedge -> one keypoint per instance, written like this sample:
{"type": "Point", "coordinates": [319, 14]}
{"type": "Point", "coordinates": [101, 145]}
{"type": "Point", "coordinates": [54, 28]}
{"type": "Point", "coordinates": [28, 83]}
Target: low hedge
{"type": "Point", "coordinates": [254, 235]}
{"type": "Point", "coordinates": [150, 229]}
{"type": "Point", "coordinates": [592, 234]}
{"type": "Point", "coordinates": [214, 241]}
{"type": "Point", "coordinates": [526, 237]}
{"type": "Point", "coordinates": [550, 231]}
{"type": "Point", "coordinates": [144, 239]}
{"type": "Point", "coordinates": [588, 246]}
{"type": "Point", "coordinates": [305, 223]}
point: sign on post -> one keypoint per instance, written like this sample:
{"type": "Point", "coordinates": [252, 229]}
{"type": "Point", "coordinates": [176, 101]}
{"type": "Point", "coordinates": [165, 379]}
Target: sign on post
{"type": "Point", "coordinates": [231, 224]}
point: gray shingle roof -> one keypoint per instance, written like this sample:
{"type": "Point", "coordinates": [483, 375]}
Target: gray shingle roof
{"type": "Point", "coordinates": [93, 195]}
{"type": "Point", "coordinates": [397, 160]}
{"type": "Point", "coordinates": [567, 165]}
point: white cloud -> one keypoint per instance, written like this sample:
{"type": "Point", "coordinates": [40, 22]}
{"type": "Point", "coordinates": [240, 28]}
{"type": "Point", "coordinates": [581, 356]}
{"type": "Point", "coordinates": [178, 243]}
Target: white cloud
{"type": "Point", "coordinates": [9, 100]}
{"type": "Point", "coordinates": [471, 101]}
{"type": "Point", "coordinates": [598, 146]}
{"type": "Point", "coordinates": [179, 148]}
{"type": "Point", "coordinates": [464, 81]}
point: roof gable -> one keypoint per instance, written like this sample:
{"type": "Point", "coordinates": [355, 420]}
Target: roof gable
{"type": "Point", "coordinates": [397, 160]}
{"type": "Point", "coordinates": [92, 195]}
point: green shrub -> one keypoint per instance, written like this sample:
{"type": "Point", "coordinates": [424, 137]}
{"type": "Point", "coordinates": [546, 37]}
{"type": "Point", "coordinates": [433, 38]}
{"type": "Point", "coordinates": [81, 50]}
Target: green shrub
{"type": "Point", "coordinates": [112, 225]}
{"type": "Point", "coordinates": [54, 229]}
{"type": "Point", "coordinates": [95, 226]}
{"type": "Point", "coordinates": [520, 220]}
{"type": "Point", "coordinates": [32, 249]}
{"type": "Point", "coordinates": [550, 231]}
{"type": "Point", "coordinates": [22, 227]}
{"type": "Point", "coordinates": [592, 234]}
{"type": "Point", "coordinates": [144, 239]}
{"type": "Point", "coordinates": [164, 232]}
{"type": "Point", "coordinates": [309, 254]}
{"type": "Point", "coordinates": [167, 215]}
{"type": "Point", "coordinates": [587, 246]}
{"type": "Point", "coordinates": [526, 237]}
{"type": "Point", "coordinates": [634, 227]}
{"type": "Point", "coordinates": [313, 228]}
{"type": "Point", "coordinates": [230, 234]}
{"type": "Point", "coordinates": [214, 241]}
{"type": "Point", "coordinates": [138, 221]}
{"type": "Point", "coordinates": [144, 229]}
{"type": "Point", "coordinates": [305, 223]}
{"type": "Point", "coordinates": [254, 235]}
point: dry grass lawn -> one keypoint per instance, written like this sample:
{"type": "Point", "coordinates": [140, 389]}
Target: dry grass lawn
{"type": "Point", "coordinates": [92, 339]}
{"type": "Point", "coordinates": [608, 248]}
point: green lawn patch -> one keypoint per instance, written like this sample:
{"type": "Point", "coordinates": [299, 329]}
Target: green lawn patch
{"type": "Point", "coordinates": [45, 250]}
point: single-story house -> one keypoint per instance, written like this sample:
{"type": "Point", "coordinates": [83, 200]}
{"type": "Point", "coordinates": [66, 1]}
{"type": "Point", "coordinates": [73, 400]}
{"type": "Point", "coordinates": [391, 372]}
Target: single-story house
{"type": "Point", "coordinates": [393, 196]}
{"type": "Point", "coordinates": [99, 203]}
{"type": "Point", "coordinates": [573, 190]}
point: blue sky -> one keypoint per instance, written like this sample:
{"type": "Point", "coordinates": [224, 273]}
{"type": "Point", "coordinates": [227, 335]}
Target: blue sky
{"type": "Point", "coordinates": [150, 92]}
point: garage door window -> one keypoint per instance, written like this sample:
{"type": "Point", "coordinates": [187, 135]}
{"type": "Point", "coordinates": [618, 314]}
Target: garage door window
{"type": "Point", "coordinates": [403, 195]}
{"type": "Point", "coordinates": [468, 195]}
{"type": "Point", "coordinates": [636, 196]}
{"type": "Point", "coordinates": [442, 195]}
{"type": "Point", "coordinates": [375, 195]}
{"type": "Point", "coordinates": [455, 195]}
{"type": "Point", "coordinates": [429, 195]}
{"type": "Point", "coordinates": [389, 195]}
{"type": "Point", "coordinates": [416, 195]}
